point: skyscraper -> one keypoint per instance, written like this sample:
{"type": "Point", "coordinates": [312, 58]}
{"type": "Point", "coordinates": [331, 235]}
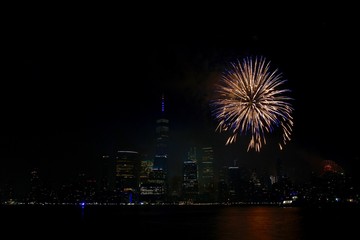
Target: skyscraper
{"type": "Point", "coordinates": [158, 179]}
{"type": "Point", "coordinates": [206, 174]}
{"type": "Point", "coordinates": [127, 174]}
{"type": "Point", "coordinates": [162, 140]}
{"type": "Point", "coordinates": [190, 189]}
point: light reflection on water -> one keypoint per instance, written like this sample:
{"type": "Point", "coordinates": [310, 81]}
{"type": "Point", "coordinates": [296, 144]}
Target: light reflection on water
{"type": "Point", "coordinates": [262, 223]}
{"type": "Point", "coordinates": [182, 222]}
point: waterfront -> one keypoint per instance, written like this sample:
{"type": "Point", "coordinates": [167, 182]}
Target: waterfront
{"type": "Point", "coordinates": [179, 222]}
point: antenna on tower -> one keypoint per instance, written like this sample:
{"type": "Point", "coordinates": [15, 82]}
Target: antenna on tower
{"type": "Point", "coordinates": [162, 103]}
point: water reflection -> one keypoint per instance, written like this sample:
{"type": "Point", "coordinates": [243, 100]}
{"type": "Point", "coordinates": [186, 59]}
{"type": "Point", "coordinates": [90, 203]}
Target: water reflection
{"type": "Point", "coordinates": [82, 205]}
{"type": "Point", "coordinates": [262, 223]}
{"type": "Point", "coordinates": [184, 222]}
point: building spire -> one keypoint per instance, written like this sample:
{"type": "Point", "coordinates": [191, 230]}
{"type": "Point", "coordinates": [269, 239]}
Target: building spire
{"type": "Point", "coordinates": [162, 103]}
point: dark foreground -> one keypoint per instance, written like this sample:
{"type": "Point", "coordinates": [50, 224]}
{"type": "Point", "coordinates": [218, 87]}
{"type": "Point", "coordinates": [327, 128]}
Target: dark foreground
{"type": "Point", "coordinates": [178, 222]}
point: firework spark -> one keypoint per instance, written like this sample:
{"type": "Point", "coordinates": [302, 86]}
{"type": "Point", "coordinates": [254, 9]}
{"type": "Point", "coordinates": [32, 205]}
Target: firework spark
{"type": "Point", "coordinates": [250, 102]}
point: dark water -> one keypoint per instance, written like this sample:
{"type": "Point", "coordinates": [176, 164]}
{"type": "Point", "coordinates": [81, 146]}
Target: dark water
{"type": "Point", "coordinates": [179, 222]}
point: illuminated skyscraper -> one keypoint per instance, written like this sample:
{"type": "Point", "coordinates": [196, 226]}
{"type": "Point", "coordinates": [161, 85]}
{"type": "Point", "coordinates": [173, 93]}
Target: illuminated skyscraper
{"type": "Point", "coordinates": [37, 191]}
{"type": "Point", "coordinates": [127, 174]}
{"type": "Point", "coordinates": [190, 189]}
{"type": "Point", "coordinates": [206, 174]}
{"type": "Point", "coordinates": [162, 140]}
{"type": "Point", "coordinates": [159, 176]}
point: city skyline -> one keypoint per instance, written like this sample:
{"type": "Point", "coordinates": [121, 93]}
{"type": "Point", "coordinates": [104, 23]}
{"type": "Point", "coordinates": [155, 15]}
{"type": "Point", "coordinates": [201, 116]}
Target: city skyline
{"type": "Point", "coordinates": [82, 93]}
{"type": "Point", "coordinates": [70, 98]}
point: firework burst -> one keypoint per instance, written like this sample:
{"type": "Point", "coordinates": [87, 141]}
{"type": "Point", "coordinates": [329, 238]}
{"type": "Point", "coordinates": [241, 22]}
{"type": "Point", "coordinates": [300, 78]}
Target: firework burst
{"type": "Point", "coordinates": [249, 101]}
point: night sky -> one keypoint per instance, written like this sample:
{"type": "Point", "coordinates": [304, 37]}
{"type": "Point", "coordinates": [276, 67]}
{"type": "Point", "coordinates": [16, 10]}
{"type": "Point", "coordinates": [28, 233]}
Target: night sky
{"type": "Point", "coordinates": [73, 91]}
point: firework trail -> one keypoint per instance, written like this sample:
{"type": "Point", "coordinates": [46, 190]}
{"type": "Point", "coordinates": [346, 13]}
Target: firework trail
{"type": "Point", "coordinates": [249, 101]}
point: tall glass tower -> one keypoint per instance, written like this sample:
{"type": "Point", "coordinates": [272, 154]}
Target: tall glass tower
{"type": "Point", "coordinates": [206, 174]}
{"type": "Point", "coordinates": [127, 174]}
{"type": "Point", "coordinates": [190, 189]}
{"type": "Point", "coordinates": [159, 176]}
{"type": "Point", "coordinates": [162, 140]}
